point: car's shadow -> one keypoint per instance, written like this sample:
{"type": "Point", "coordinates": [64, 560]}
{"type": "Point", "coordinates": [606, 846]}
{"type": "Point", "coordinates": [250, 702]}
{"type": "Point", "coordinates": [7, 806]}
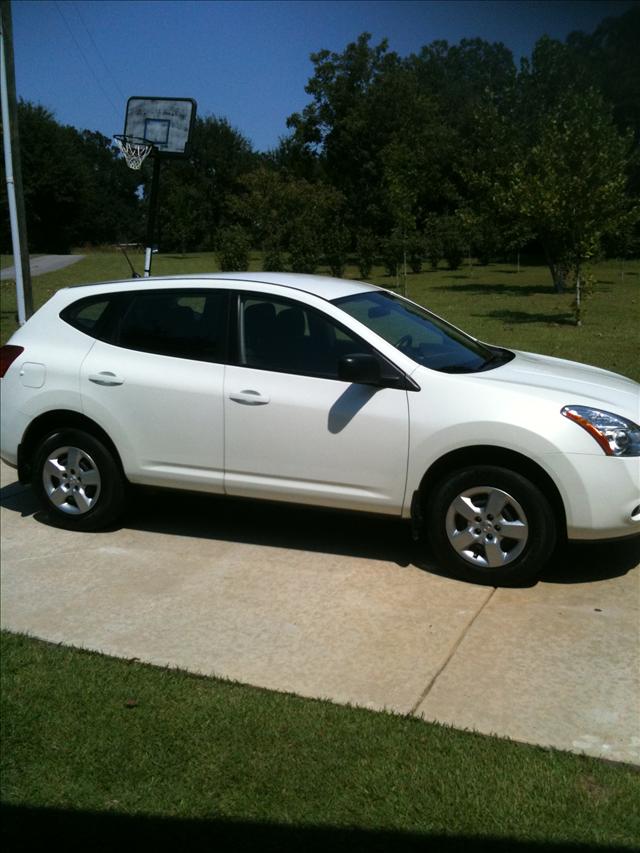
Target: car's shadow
{"type": "Point", "coordinates": [319, 530]}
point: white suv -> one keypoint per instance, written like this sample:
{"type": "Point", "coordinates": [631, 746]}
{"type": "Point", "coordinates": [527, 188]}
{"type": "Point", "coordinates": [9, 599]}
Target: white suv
{"type": "Point", "coordinates": [319, 391]}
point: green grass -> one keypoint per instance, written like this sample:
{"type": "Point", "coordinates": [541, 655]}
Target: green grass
{"type": "Point", "coordinates": [496, 303]}
{"type": "Point", "coordinates": [84, 734]}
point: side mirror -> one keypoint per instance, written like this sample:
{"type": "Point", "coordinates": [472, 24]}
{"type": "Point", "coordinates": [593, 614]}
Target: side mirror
{"type": "Point", "coordinates": [361, 368]}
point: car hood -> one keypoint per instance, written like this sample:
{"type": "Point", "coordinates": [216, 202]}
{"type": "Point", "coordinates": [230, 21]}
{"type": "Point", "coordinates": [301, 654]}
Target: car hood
{"type": "Point", "coordinates": [578, 383]}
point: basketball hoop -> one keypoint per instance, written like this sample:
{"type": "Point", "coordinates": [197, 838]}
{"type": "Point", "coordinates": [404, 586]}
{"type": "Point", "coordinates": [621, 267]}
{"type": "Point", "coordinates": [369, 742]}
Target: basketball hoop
{"type": "Point", "coordinates": [135, 150]}
{"type": "Point", "coordinates": [162, 128]}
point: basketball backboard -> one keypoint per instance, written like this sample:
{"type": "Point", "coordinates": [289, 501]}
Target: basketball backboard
{"type": "Point", "coordinates": [167, 123]}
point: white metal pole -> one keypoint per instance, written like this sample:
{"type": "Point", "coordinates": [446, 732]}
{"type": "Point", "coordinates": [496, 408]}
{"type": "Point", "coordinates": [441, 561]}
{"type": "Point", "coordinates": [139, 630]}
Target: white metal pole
{"type": "Point", "coordinates": [11, 189]}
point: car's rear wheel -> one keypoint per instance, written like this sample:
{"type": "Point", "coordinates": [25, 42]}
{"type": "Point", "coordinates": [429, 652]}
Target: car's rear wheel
{"type": "Point", "coordinates": [491, 525]}
{"type": "Point", "coordinates": [78, 480]}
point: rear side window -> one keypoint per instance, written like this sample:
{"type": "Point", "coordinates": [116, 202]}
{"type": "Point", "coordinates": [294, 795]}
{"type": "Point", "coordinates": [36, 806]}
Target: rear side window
{"type": "Point", "coordinates": [182, 324]}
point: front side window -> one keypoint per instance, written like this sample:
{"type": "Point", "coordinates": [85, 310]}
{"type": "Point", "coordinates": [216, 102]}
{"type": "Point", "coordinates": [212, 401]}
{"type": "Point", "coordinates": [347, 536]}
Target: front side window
{"type": "Point", "coordinates": [178, 323]}
{"type": "Point", "coordinates": [287, 336]}
{"type": "Point", "coordinates": [422, 336]}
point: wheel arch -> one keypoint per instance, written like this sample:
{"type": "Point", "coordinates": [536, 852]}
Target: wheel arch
{"type": "Point", "coordinates": [50, 422]}
{"type": "Point", "coordinates": [502, 457]}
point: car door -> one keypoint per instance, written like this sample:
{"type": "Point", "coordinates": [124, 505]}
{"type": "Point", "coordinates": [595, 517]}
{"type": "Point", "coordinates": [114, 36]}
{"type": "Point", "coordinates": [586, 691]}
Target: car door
{"type": "Point", "coordinates": [156, 386]}
{"type": "Point", "coordinates": [293, 430]}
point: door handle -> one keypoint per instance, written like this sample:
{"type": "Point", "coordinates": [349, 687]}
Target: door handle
{"type": "Point", "coordinates": [249, 397]}
{"type": "Point", "coordinates": [106, 377]}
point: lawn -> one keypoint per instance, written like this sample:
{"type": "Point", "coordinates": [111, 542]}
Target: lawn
{"type": "Point", "coordinates": [497, 303]}
{"type": "Point", "coordinates": [107, 748]}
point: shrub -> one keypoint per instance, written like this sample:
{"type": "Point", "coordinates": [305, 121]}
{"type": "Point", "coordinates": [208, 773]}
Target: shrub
{"type": "Point", "coordinates": [273, 257]}
{"type": "Point", "coordinates": [453, 254]}
{"type": "Point", "coordinates": [304, 251]}
{"type": "Point", "coordinates": [366, 250]}
{"type": "Point", "coordinates": [392, 253]}
{"type": "Point", "coordinates": [415, 251]}
{"type": "Point", "coordinates": [446, 238]}
{"type": "Point", "coordinates": [336, 247]}
{"type": "Point", "coordinates": [233, 249]}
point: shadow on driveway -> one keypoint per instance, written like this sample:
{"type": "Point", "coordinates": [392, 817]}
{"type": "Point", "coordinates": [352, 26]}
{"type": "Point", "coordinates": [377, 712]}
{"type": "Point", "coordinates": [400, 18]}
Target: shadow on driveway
{"type": "Point", "coordinates": [280, 525]}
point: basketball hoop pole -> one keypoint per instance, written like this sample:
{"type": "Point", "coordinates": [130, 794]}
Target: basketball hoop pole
{"type": "Point", "coordinates": [151, 219]}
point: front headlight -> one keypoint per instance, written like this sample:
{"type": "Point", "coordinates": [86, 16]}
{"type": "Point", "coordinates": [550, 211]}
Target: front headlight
{"type": "Point", "coordinates": [616, 435]}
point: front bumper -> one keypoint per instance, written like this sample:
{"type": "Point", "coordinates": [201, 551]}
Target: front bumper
{"type": "Point", "coordinates": [601, 494]}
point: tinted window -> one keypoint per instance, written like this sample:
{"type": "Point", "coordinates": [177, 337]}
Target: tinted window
{"type": "Point", "coordinates": [87, 314]}
{"type": "Point", "coordinates": [287, 336]}
{"type": "Point", "coordinates": [182, 324]}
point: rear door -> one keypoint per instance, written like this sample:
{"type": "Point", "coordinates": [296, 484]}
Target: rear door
{"type": "Point", "coordinates": [156, 386]}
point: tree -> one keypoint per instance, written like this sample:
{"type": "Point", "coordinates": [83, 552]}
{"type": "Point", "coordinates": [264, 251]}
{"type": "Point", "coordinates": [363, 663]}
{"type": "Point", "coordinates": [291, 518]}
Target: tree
{"type": "Point", "coordinates": [196, 194]}
{"type": "Point", "coordinates": [345, 126]}
{"type": "Point", "coordinates": [77, 189]}
{"type": "Point", "coordinates": [110, 210]}
{"type": "Point", "coordinates": [567, 183]}
{"type": "Point", "coordinates": [288, 215]}
{"type": "Point", "coordinates": [393, 134]}
{"type": "Point", "coordinates": [184, 224]}
{"type": "Point", "coordinates": [609, 56]}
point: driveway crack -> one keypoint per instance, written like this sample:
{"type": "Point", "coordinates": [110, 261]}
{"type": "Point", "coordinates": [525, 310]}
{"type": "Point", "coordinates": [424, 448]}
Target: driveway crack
{"type": "Point", "coordinates": [452, 652]}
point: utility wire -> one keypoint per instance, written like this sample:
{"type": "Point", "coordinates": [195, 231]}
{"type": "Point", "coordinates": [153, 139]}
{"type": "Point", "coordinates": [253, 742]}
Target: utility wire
{"type": "Point", "coordinates": [82, 54]}
{"type": "Point", "coordinates": [99, 52]}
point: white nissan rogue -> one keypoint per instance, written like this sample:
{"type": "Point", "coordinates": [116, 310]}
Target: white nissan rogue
{"type": "Point", "coordinates": [320, 391]}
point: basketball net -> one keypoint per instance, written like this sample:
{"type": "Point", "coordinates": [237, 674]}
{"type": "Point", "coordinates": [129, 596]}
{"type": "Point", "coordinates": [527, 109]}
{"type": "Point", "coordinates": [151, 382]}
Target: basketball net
{"type": "Point", "coordinates": [135, 150]}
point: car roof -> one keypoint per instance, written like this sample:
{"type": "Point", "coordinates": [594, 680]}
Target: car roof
{"type": "Point", "coordinates": [323, 286]}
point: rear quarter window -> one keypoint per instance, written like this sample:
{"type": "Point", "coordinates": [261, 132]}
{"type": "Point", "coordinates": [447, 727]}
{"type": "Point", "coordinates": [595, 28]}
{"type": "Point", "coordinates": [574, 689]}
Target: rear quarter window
{"type": "Point", "coordinates": [88, 315]}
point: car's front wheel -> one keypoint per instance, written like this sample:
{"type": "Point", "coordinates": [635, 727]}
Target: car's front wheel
{"type": "Point", "coordinates": [78, 480]}
{"type": "Point", "coordinates": [490, 525]}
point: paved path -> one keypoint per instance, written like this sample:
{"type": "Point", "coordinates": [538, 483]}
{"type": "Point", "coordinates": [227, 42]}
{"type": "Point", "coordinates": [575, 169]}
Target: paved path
{"type": "Point", "coordinates": [43, 263]}
{"type": "Point", "coordinates": [338, 607]}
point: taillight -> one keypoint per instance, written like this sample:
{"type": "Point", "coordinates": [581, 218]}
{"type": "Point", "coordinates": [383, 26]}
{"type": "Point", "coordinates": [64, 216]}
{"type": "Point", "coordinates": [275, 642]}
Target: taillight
{"type": "Point", "coordinates": [8, 354]}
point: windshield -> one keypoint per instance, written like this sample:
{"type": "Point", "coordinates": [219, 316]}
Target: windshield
{"type": "Point", "coordinates": [419, 334]}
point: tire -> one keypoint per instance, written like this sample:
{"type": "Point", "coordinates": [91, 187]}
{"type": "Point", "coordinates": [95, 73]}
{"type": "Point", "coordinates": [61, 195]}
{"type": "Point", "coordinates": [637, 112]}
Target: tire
{"type": "Point", "coordinates": [78, 481]}
{"type": "Point", "coordinates": [468, 515]}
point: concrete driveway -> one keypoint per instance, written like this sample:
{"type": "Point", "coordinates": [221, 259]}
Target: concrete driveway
{"type": "Point", "coordinates": [41, 264]}
{"type": "Point", "coordinates": [338, 607]}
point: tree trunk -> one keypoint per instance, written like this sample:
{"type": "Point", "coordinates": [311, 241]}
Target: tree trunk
{"type": "Point", "coordinates": [556, 269]}
{"type": "Point", "coordinates": [558, 278]}
{"type": "Point", "coordinates": [578, 299]}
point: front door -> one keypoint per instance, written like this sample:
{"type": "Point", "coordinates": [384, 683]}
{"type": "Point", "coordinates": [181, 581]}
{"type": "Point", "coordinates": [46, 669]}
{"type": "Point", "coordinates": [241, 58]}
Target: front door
{"type": "Point", "coordinates": [293, 430]}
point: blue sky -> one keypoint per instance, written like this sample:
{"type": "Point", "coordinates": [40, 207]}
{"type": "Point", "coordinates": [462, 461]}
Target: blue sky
{"type": "Point", "coordinates": [246, 60]}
